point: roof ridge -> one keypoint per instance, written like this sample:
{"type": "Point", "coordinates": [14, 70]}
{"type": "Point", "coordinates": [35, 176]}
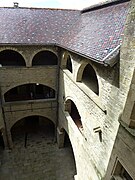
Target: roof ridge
{"type": "Point", "coordinates": [103, 5]}
{"type": "Point", "coordinates": [36, 8]}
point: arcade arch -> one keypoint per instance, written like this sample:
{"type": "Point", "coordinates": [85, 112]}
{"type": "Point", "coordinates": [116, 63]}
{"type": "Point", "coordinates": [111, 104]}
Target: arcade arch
{"type": "Point", "coordinates": [32, 125]}
{"type": "Point", "coordinates": [11, 58]}
{"type": "Point", "coordinates": [45, 58]}
{"type": "Point", "coordinates": [87, 75]}
{"type": "Point", "coordinates": [30, 91]}
{"type": "Point", "coordinates": [73, 111]}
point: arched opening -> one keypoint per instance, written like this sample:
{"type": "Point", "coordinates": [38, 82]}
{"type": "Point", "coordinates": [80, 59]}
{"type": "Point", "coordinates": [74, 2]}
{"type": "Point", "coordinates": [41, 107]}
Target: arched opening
{"type": "Point", "coordinates": [89, 78]}
{"type": "Point", "coordinates": [39, 156]}
{"type": "Point", "coordinates": [28, 128]}
{"type": "Point", "coordinates": [73, 111]}
{"type": "Point", "coordinates": [1, 141]}
{"type": "Point", "coordinates": [29, 92]}
{"type": "Point", "coordinates": [69, 64]}
{"type": "Point", "coordinates": [11, 58]}
{"type": "Point", "coordinates": [45, 58]}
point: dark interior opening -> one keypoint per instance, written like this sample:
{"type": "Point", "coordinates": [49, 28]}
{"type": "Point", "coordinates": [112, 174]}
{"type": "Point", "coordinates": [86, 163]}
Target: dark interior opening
{"type": "Point", "coordinates": [126, 175]}
{"type": "Point", "coordinates": [67, 142]}
{"type": "Point", "coordinates": [11, 58]}
{"type": "Point", "coordinates": [1, 141]}
{"type": "Point", "coordinates": [45, 58]}
{"type": "Point", "coordinates": [73, 111]}
{"type": "Point", "coordinates": [121, 172]}
{"type": "Point", "coordinates": [89, 78]}
{"type": "Point", "coordinates": [29, 92]}
{"type": "Point", "coordinates": [69, 64]}
{"type": "Point", "coordinates": [27, 127]}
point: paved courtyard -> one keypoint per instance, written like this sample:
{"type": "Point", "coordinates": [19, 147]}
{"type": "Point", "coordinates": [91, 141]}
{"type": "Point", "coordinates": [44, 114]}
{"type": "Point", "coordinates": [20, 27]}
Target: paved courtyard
{"type": "Point", "coordinates": [40, 160]}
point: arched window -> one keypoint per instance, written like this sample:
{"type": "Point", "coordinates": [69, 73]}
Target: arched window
{"type": "Point", "coordinates": [29, 92]}
{"type": "Point", "coordinates": [11, 58]}
{"type": "Point", "coordinates": [69, 64]}
{"type": "Point", "coordinates": [72, 110]}
{"type": "Point", "coordinates": [89, 78]}
{"type": "Point", "coordinates": [45, 58]}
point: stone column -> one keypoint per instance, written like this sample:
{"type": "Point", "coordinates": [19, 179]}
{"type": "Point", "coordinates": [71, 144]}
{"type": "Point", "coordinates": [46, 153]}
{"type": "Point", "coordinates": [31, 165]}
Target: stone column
{"type": "Point", "coordinates": [10, 142]}
{"type": "Point", "coordinates": [4, 138]}
{"type": "Point", "coordinates": [60, 138]}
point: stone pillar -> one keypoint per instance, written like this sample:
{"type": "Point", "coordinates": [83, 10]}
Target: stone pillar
{"type": "Point", "coordinates": [10, 142]}
{"type": "Point", "coordinates": [60, 138]}
{"type": "Point", "coordinates": [4, 138]}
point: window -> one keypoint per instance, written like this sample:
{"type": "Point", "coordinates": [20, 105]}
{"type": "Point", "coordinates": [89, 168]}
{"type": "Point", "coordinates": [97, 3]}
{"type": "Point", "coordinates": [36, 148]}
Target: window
{"type": "Point", "coordinates": [73, 111]}
{"type": "Point", "coordinates": [120, 173]}
{"type": "Point", "coordinates": [89, 78]}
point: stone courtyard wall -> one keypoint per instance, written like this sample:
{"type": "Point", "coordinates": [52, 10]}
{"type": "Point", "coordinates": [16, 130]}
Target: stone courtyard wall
{"type": "Point", "coordinates": [91, 151]}
{"type": "Point", "coordinates": [14, 76]}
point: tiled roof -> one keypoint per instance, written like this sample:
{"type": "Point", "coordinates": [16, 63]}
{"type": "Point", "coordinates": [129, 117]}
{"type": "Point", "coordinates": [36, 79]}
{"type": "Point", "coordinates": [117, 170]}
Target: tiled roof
{"type": "Point", "coordinates": [34, 26]}
{"type": "Point", "coordinates": [97, 32]}
{"type": "Point", "coordinates": [94, 32]}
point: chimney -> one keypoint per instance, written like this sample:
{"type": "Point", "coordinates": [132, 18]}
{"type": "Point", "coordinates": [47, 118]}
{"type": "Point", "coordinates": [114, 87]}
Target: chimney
{"type": "Point", "coordinates": [16, 4]}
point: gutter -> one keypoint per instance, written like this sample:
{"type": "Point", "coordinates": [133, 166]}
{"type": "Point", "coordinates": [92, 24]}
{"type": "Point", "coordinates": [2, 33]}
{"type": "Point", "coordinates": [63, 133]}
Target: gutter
{"type": "Point", "coordinates": [111, 59]}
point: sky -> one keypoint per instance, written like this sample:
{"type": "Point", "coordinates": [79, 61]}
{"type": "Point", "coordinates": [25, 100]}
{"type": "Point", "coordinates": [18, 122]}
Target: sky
{"type": "Point", "coordinates": [65, 4]}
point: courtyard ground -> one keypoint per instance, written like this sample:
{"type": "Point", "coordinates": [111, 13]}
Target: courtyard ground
{"type": "Point", "coordinates": [40, 160]}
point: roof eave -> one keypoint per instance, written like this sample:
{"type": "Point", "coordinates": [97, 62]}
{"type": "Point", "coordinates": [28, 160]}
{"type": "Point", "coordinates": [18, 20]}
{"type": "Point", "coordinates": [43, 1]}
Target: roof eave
{"type": "Point", "coordinates": [109, 60]}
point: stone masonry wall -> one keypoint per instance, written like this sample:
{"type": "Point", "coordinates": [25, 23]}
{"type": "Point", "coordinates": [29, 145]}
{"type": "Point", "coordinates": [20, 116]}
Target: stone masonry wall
{"type": "Point", "coordinates": [124, 147]}
{"type": "Point", "coordinates": [92, 155]}
{"type": "Point", "coordinates": [11, 77]}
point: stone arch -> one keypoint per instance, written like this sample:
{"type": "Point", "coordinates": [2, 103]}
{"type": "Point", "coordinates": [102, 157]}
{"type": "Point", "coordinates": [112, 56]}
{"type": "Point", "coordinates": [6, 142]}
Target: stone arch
{"type": "Point", "coordinates": [71, 108]}
{"type": "Point", "coordinates": [45, 89]}
{"type": "Point", "coordinates": [32, 125]}
{"type": "Point", "coordinates": [44, 57]}
{"type": "Point", "coordinates": [28, 114]}
{"type": "Point", "coordinates": [10, 57]}
{"type": "Point", "coordinates": [87, 75]}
